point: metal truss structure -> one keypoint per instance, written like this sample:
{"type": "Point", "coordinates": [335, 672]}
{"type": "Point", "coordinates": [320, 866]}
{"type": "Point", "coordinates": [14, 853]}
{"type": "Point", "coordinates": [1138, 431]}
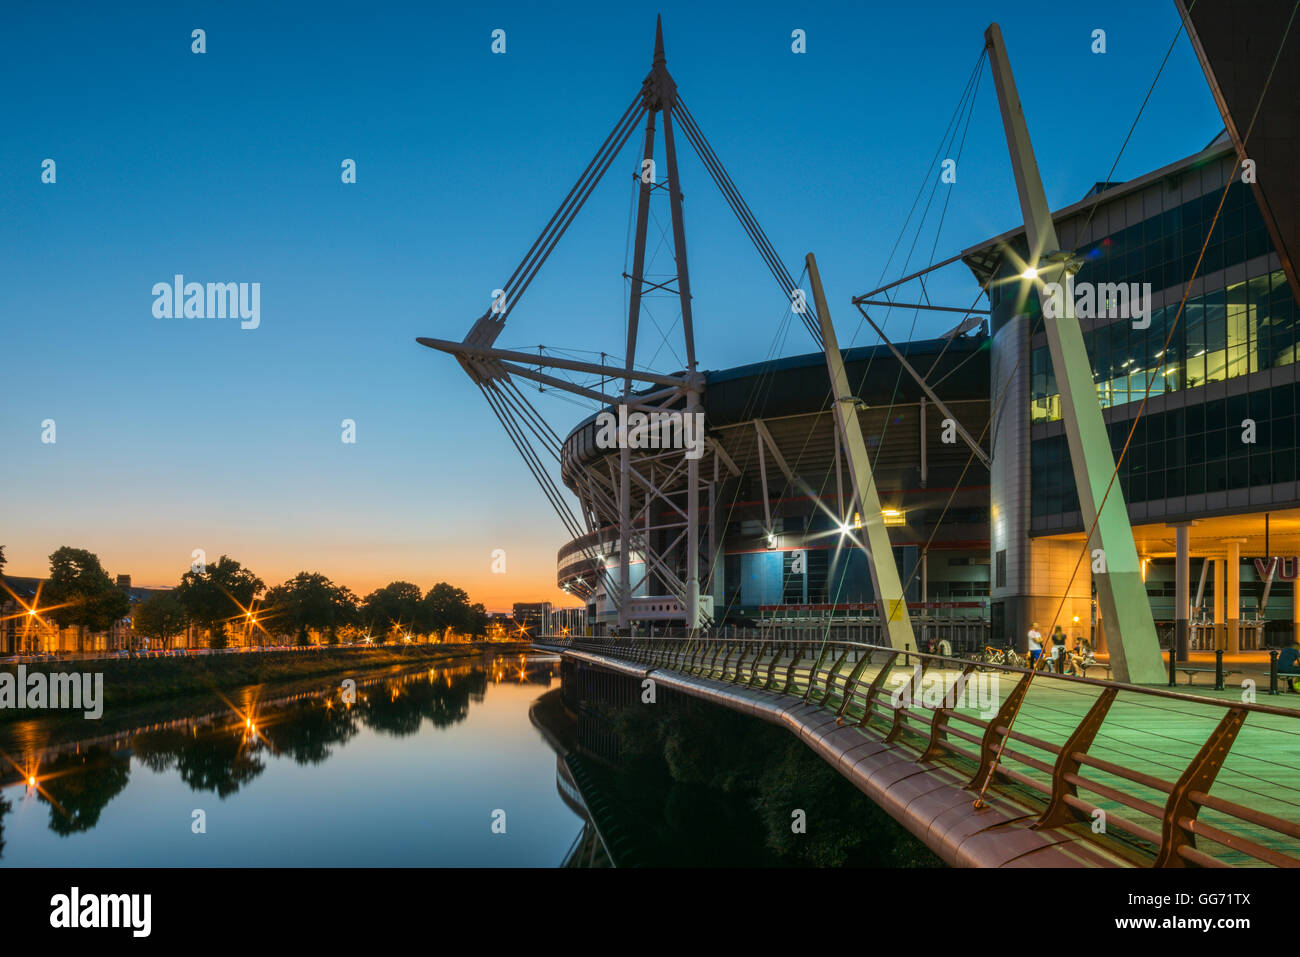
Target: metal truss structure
{"type": "Point", "coordinates": [646, 510]}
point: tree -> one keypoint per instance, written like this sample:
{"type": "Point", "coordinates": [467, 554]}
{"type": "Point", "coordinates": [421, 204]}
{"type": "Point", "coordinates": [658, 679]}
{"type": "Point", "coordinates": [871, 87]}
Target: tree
{"type": "Point", "coordinates": [309, 601]}
{"type": "Point", "coordinates": [396, 604]}
{"type": "Point", "coordinates": [218, 594]}
{"type": "Point", "coordinates": [478, 620]}
{"type": "Point", "coordinates": [446, 607]}
{"type": "Point", "coordinates": [2, 561]}
{"type": "Point", "coordinates": [161, 618]}
{"type": "Point", "coordinates": [86, 596]}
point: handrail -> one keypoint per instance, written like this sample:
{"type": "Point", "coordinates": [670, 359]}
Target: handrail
{"type": "Point", "coordinates": [832, 677]}
{"type": "Point", "coordinates": [955, 662]}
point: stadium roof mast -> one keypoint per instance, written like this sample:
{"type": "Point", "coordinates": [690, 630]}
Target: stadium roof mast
{"type": "Point", "coordinates": [627, 496]}
{"type": "Point", "coordinates": [659, 96]}
{"type": "Point", "coordinates": [1121, 593]}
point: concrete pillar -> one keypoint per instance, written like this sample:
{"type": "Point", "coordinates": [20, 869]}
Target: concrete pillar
{"type": "Point", "coordinates": [1009, 476]}
{"type": "Point", "coordinates": [1295, 610]}
{"type": "Point", "coordinates": [1232, 579]}
{"type": "Point", "coordinates": [1182, 589]}
{"type": "Point", "coordinates": [1220, 629]}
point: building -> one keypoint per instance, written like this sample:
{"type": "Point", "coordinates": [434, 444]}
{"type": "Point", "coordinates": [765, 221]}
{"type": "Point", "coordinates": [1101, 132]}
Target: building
{"type": "Point", "coordinates": [22, 632]}
{"type": "Point", "coordinates": [757, 520]}
{"type": "Point", "coordinates": [534, 617]}
{"type": "Point", "coordinates": [1213, 451]}
{"type": "Point", "coordinates": [778, 506]}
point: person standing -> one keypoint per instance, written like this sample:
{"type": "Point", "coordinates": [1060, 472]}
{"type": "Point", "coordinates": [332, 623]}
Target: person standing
{"type": "Point", "coordinates": [1035, 644]}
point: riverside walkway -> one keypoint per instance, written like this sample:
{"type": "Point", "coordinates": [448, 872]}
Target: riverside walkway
{"type": "Point", "coordinates": [991, 766]}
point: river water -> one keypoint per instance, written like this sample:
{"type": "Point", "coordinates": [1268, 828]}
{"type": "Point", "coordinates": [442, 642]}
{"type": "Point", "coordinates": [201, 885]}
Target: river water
{"type": "Point", "coordinates": [440, 767]}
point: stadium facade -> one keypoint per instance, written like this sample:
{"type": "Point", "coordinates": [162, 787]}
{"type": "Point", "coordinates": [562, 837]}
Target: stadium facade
{"type": "Point", "coordinates": [1209, 475]}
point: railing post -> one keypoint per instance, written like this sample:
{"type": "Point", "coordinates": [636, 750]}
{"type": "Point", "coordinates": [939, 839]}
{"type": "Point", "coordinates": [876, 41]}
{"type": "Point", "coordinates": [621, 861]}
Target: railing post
{"type": "Point", "coordinates": [989, 744]}
{"type": "Point", "coordinates": [713, 662]}
{"type": "Point", "coordinates": [700, 649]}
{"type": "Point", "coordinates": [913, 693]}
{"type": "Point", "coordinates": [1218, 669]}
{"type": "Point", "coordinates": [852, 684]}
{"type": "Point", "coordinates": [1058, 812]}
{"type": "Point", "coordinates": [816, 668]}
{"type": "Point", "coordinates": [771, 666]}
{"type": "Point", "coordinates": [1173, 675]}
{"type": "Point", "coordinates": [795, 657]}
{"type": "Point", "coordinates": [830, 676]}
{"type": "Point", "coordinates": [740, 659]}
{"type": "Point", "coordinates": [762, 646]}
{"type": "Point", "coordinates": [939, 723]}
{"type": "Point", "coordinates": [874, 688]}
{"type": "Point", "coordinates": [1272, 670]}
{"type": "Point", "coordinates": [1178, 828]}
{"type": "Point", "coordinates": [726, 661]}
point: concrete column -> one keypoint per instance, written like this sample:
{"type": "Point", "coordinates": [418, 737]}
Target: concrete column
{"type": "Point", "coordinates": [1009, 476]}
{"type": "Point", "coordinates": [1220, 628]}
{"type": "Point", "coordinates": [1295, 610]}
{"type": "Point", "coordinates": [1232, 579]}
{"type": "Point", "coordinates": [1182, 589]}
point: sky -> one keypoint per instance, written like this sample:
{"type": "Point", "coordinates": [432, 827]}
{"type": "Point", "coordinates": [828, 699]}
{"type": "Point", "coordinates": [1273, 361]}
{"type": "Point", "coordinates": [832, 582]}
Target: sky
{"type": "Point", "coordinates": [176, 434]}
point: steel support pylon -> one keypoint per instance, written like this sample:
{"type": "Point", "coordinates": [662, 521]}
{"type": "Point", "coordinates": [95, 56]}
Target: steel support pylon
{"type": "Point", "coordinates": [890, 600]}
{"type": "Point", "coordinates": [1121, 593]}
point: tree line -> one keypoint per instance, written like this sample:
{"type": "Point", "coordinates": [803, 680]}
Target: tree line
{"type": "Point", "coordinates": [224, 597]}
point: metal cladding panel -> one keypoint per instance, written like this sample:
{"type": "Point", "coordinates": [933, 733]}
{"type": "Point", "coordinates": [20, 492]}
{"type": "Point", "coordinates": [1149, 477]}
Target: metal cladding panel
{"type": "Point", "coordinates": [1237, 44]}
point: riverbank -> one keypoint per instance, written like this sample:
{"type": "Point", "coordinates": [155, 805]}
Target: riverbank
{"type": "Point", "coordinates": [129, 682]}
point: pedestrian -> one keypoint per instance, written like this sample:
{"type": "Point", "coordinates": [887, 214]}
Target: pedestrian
{"type": "Point", "coordinates": [1035, 644]}
{"type": "Point", "coordinates": [1058, 650]}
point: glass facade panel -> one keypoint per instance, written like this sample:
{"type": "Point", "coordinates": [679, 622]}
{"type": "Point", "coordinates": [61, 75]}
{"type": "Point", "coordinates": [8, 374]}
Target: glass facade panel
{"type": "Point", "coordinates": [1227, 332]}
{"type": "Point", "coordinates": [1223, 334]}
{"type": "Point", "coordinates": [1201, 448]}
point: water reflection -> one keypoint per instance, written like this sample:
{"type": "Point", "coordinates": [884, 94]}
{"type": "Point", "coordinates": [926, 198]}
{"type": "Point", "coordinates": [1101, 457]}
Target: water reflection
{"type": "Point", "coordinates": [224, 750]}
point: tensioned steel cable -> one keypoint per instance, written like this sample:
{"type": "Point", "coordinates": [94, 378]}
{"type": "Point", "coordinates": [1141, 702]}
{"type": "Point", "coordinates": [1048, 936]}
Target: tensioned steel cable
{"type": "Point", "coordinates": [741, 209]}
{"type": "Point", "coordinates": [967, 104]}
{"type": "Point", "coordinates": [503, 414]}
{"type": "Point", "coordinates": [519, 281]}
{"type": "Point", "coordinates": [1150, 382]}
{"type": "Point", "coordinates": [530, 417]}
{"type": "Point", "coordinates": [534, 465]}
{"type": "Point", "coordinates": [970, 107]}
{"type": "Point", "coordinates": [738, 205]}
{"type": "Point", "coordinates": [920, 190]}
{"type": "Point", "coordinates": [748, 222]}
{"type": "Point", "coordinates": [515, 294]}
{"type": "Point", "coordinates": [573, 202]}
{"type": "Point", "coordinates": [767, 373]}
{"type": "Point", "coordinates": [955, 119]}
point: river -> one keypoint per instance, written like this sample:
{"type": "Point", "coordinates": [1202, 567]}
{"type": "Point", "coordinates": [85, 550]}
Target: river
{"type": "Point", "coordinates": [439, 767]}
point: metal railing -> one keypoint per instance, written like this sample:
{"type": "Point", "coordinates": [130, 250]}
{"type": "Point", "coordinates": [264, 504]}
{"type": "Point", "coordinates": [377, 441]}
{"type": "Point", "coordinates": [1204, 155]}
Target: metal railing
{"type": "Point", "coordinates": [1156, 767]}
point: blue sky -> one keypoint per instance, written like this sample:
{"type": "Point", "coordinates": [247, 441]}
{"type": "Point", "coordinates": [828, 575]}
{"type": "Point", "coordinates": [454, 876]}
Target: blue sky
{"type": "Point", "coordinates": [176, 434]}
